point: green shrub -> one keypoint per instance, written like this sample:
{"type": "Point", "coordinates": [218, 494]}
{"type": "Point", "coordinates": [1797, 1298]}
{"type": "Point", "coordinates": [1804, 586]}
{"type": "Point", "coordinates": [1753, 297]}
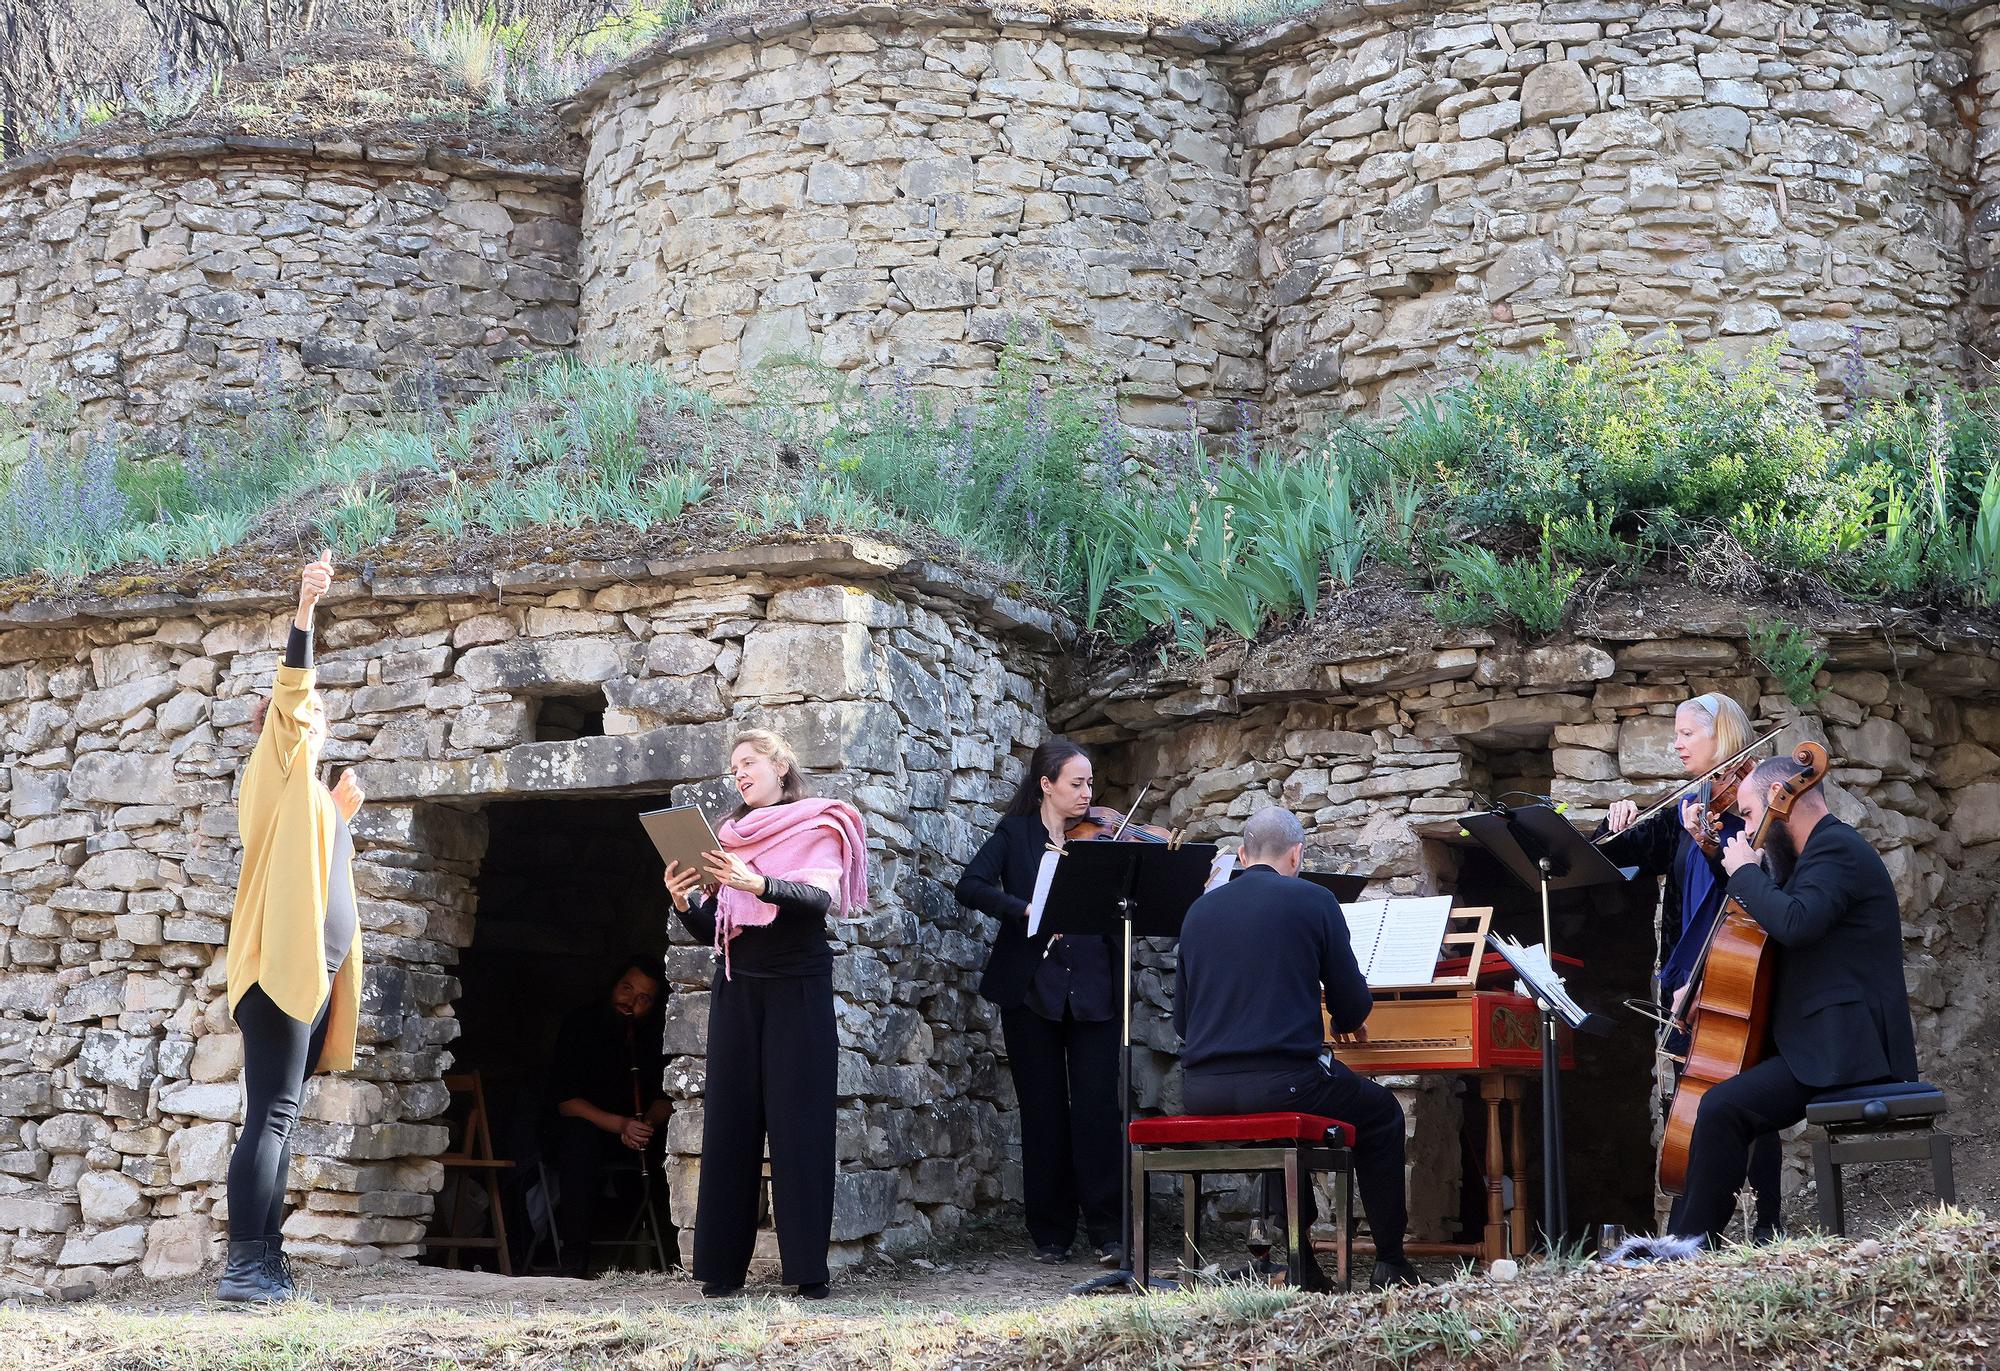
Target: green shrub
{"type": "Point", "coordinates": [830, 502]}
{"type": "Point", "coordinates": [1019, 477]}
{"type": "Point", "coordinates": [1588, 539]}
{"type": "Point", "coordinates": [361, 519]}
{"type": "Point", "coordinates": [1818, 539]}
{"type": "Point", "coordinates": [1789, 655]}
{"type": "Point", "coordinates": [62, 513]}
{"type": "Point", "coordinates": [1629, 432]}
{"type": "Point", "coordinates": [1250, 543]}
{"type": "Point", "coordinates": [1493, 495]}
{"type": "Point", "coordinates": [1981, 557]}
{"type": "Point", "coordinates": [1940, 442]}
{"type": "Point", "coordinates": [1478, 587]}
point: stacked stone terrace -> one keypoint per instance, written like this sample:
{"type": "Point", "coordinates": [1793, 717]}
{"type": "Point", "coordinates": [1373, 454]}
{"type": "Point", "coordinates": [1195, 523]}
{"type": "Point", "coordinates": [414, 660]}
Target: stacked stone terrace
{"type": "Point", "coordinates": [1318, 218]}
{"type": "Point", "coordinates": [178, 283]}
{"type": "Point", "coordinates": [1324, 216]}
{"type": "Point", "coordinates": [1740, 171]}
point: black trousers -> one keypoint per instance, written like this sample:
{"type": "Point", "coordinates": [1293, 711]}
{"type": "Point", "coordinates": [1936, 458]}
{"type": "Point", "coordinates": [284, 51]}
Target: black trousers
{"type": "Point", "coordinates": [1337, 1093]}
{"type": "Point", "coordinates": [580, 1152]}
{"type": "Point", "coordinates": [1766, 1161]}
{"type": "Point", "coordinates": [1066, 1081]}
{"type": "Point", "coordinates": [771, 1058]}
{"type": "Point", "coordinates": [278, 1054]}
{"type": "Point", "coordinates": [1749, 1107]}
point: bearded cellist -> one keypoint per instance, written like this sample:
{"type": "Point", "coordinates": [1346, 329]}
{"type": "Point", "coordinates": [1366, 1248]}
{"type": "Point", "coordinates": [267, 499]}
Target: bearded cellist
{"type": "Point", "coordinates": [1839, 1013]}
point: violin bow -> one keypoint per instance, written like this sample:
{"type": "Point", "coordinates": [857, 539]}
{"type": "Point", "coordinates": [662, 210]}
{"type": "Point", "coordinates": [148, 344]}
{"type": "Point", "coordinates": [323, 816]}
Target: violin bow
{"type": "Point", "coordinates": [1130, 810]}
{"type": "Point", "coordinates": [1686, 786]}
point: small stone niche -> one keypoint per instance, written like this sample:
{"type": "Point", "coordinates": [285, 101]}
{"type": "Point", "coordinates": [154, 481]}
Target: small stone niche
{"type": "Point", "coordinates": [565, 718]}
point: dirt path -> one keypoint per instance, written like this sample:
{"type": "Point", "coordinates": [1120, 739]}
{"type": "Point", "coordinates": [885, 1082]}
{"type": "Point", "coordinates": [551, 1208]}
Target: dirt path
{"type": "Point", "coordinates": [987, 1278]}
{"type": "Point", "coordinates": [1925, 1296]}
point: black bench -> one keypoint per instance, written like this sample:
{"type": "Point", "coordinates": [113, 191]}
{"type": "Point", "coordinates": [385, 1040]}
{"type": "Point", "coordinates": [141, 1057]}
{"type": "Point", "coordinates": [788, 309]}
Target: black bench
{"type": "Point", "coordinates": [1892, 1122]}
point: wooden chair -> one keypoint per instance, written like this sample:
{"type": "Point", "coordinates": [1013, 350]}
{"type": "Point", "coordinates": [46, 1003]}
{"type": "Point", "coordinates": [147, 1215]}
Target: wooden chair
{"type": "Point", "coordinates": [473, 1163]}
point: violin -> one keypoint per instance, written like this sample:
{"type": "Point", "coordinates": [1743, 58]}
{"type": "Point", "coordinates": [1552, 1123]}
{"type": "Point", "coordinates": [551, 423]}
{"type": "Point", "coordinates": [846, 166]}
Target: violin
{"type": "Point", "coordinates": [1715, 796]}
{"type": "Point", "coordinates": [1716, 786]}
{"type": "Point", "coordinates": [1101, 823]}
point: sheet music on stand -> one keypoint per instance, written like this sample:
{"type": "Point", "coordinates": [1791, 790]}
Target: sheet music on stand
{"type": "Point", "coordinates": [1397, 941]}
{"type": "Point", "coordinates": [1045, 876]}
{"type": "Point", "coordinates": [1540, 980]}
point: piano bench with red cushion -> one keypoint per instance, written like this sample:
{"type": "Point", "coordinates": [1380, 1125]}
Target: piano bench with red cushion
{"type": "Point", "coordinates": [1194, 1145]}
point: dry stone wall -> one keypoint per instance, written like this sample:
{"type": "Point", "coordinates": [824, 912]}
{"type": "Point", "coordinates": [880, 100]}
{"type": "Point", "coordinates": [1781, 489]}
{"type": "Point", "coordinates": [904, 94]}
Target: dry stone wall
{"type": "Point", "coordinates": [1465, 175]}
{"type": "Point", "coordinates": [1321, 217]}
{"type": "Point", "coordinates": [122, 733]}
{"type": "Point", "coordinates": [910, 691]}
{"type": "Point", "coordinates": [886, 192]}
{"type": "Point", "coordinates": [1982, 28]}
{"type": "Point", "coordinates": [169, 284]}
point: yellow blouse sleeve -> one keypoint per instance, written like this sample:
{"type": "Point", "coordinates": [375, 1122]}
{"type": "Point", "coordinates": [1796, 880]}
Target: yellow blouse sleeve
{"type": "Point", "coordinates": [289, 716]}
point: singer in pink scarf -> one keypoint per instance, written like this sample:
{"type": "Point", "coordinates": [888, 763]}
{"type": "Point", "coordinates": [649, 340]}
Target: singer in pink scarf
{"type": "Point", "coordinates": [785, 863]}
{"type": "Point", "coordinates": [813, 841]}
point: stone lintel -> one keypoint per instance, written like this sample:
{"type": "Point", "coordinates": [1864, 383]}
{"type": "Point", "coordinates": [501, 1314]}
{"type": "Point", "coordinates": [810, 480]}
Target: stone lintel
{"type": "Point", "coordinates": [842, 558]}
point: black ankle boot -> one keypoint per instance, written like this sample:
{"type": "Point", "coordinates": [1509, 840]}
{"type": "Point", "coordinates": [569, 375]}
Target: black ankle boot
{"type": "Point", "coordinates": [247, 1277]}
{"type": "Point", "coordinates": [279, 1269]}
{"type": "Point", "coordinates": [1388, 1274]}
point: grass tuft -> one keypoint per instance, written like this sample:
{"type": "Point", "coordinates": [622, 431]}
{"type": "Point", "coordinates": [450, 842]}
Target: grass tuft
{"type": "Point", "coordinates": [1927, 1294]}
{"type": "Point", "coordinates": [1508, 500]}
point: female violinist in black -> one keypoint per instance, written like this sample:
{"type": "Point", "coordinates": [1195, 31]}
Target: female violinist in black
{"type": "Point", "coordinates": [1058, 1015]}
{"type": "Point", "coordinates": [1708, 730]}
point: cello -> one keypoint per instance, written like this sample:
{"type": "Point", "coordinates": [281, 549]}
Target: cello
{"type": "Point", "coordinates": [1728, 1005]}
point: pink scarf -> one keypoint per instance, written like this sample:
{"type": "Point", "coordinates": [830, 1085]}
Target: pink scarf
{"type": "Point", "coordinates": [815, 841]}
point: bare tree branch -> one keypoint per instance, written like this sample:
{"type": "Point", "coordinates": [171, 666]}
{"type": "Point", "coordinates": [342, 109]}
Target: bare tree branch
{"type": "Point", "coordinates": [58, 57]}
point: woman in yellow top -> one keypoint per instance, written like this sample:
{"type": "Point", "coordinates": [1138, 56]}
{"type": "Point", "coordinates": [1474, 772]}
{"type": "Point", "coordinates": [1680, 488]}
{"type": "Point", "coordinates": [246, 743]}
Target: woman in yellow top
{"type": "Point", "coordinates": [294, 949]}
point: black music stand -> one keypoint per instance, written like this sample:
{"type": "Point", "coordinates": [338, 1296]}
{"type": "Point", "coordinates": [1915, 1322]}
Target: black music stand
{"type": "Point", "coordinates": [1344, 887]}
{"type": "Point", "coordinates": [1133, 889]}
{"type": "Point", "coordinates": [1544, 851]}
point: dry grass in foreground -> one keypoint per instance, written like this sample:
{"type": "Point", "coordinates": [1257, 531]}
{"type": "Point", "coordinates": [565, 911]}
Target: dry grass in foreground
{"type": "Point", "coordinates": [1926, 1295]}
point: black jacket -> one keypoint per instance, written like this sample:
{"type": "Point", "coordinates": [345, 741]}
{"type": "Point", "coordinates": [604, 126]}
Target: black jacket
{"type": "Point", "coordinates": [1658, 847]}
{"type": "Point", "coordinates": [793, 944]}
{"type": "Point", "coordinates": [1258, 957]}
{"type": "Point", "coordinates": [600, 1057]}
{"type": "Point", "coordinates": [998, 881]}
{"type": "Point", "coordinates": [1839, 1013]}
